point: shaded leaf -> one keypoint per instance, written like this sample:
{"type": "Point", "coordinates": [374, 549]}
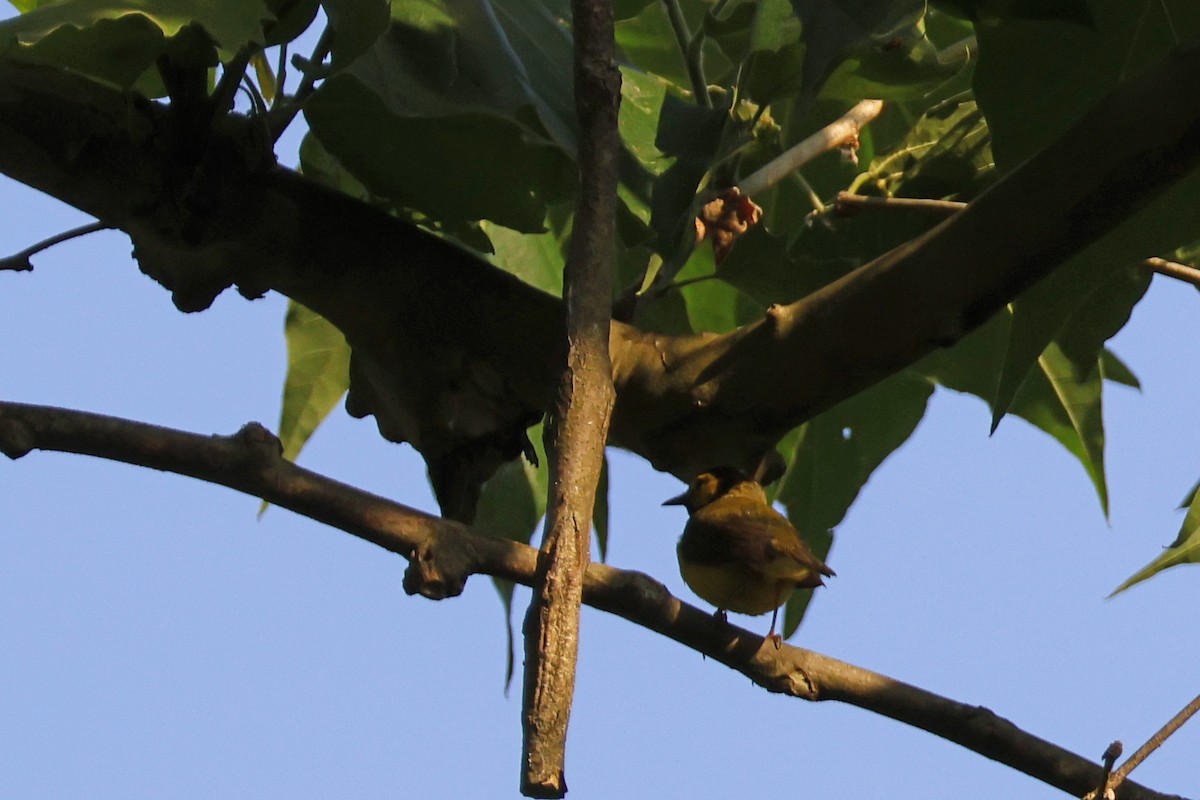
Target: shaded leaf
{"type": "Point", "coordinates": [356, 24]}
{"type": "Point", "coordinates": [1078, 391]}
{"type": "Point", "coordinates": [423, 163]}
{"type": "Point", "coordinates": [445, 100]}
{"type": "Point", "coordinates": [831, 457]}
{"type": "Point", "coordinates": [600, 511]}
{"type": "Point", "coordinates": [1058, 397]}
{"type": "Point", "coordinates": [832, 29]}
{"type": "Point", "coordinates": [1184, 550]}
{"type": "Point", "coordinates": [1076, 11]}
{"type": "Point", "coordinates": [1088, 299]}
{"type": "Point", "coordinates": [1035, 77]}
{"type": "Point", "coordinates": [511, 504]}
{"type": "Point", "coordinates": [1115, 370]}
{"type": "Point", "coordinates": [292, 18]}
{"type": "Point", "coordinates": [647, 42]}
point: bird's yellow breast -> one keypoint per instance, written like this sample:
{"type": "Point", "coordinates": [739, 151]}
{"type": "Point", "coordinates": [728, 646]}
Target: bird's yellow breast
{"type": "Point", "coordinates": [734, 587]}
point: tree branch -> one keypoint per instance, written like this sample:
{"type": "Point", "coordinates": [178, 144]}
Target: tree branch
{"type": "Point", "coordinates": [442, 554]}
{"type": "Point", "coordinates": [578, 428]}
{"type": "Point", "coordinates": [839, 133]}
{"type": "Point", "coordinates": [469, 339]}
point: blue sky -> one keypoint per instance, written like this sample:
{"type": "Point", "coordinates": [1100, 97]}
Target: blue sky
{"type": "Point", "coordinates": [160, 641]}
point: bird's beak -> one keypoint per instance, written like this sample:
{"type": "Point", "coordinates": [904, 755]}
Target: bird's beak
{"type": "Point", "coordinates": [676, 501]}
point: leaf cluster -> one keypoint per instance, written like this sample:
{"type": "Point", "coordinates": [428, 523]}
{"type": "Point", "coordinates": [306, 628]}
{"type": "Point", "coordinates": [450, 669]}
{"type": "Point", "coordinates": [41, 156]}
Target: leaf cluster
{"type": "Point", "coordinates": [457, 116]}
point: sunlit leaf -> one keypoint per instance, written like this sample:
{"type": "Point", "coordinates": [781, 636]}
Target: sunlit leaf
{"type": "Point", "coordinates": [230, 23]}
{"type": "Point", "coordinates": [1184, 550]}
{"type": "Point", "coordinates": [317, 377]}
{"type": "Point", "coordinates": [265, 75]}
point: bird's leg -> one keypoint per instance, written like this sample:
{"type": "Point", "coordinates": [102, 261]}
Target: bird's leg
{"type": "Point", "coordinates": [720, 615]}
{"type": "Point", "coordinates": [773, 637]}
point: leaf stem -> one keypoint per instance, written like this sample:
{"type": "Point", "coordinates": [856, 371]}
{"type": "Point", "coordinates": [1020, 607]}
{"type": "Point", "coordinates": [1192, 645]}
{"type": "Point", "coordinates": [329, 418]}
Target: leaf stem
{"type": "Point", "coordinates": [692, 51]}
{"type": "Point", "coordinates": [284, 113]}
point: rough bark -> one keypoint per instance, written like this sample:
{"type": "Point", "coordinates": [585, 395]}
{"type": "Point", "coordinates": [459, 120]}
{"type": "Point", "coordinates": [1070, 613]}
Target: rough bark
{"type": "Point", "coordinates": [578, 428]}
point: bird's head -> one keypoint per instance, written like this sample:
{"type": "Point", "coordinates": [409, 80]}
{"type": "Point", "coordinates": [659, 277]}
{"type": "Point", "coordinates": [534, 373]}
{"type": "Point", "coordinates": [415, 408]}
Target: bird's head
{"type": "Point", "coordinates": [708, 486]}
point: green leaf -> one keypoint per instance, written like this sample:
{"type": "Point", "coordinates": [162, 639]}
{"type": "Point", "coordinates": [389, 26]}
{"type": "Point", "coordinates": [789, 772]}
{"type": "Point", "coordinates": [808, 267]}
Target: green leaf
{"type": "Point", "coordinates": [600, 511]}
{"type": "Point", "coordinates": [907, 68]}
{"type": "Point", "coordinates": [356, 24]}
{"type": "Point", "coordinates": [1090, 298]}
{"type": "Point", "coordinates": [831, 457]}
{"type": "Point", "coordinates": [536, 258]}
{"type": "Point", "coordinates": [511, 504]}
{"type": "Point", "coordinates": [445, 100]}
{"type": "Point", "coordinates": [1078, 391]}
{"type": "Point", "coordinates": [1076, 11]}
{"type": "Point", "coordinates": [267, 84]}
{"type": "Point", "coordinates": [424, 163]}
{"type": "Point", "coordinates": [1036, 77]}
{"type": "Point", "coordinates": [231, 23]}
{"type": "Point", "coordinates": [319, 165]}
{"type": "Point", "coordinates": [833, 29]}
{"type": "Point", "coordinates": [292, 19]}
{"type": "Point", "coordinates": [1115, 370]}
{"type": "Point", "coordinates": [317, 377]}
{"type": "Point", "coordinates": [1184, 550]}
{"type": "Point", "coordinates": [647, 42]}
{"type": "Point", "coordinates": [1059, 397]}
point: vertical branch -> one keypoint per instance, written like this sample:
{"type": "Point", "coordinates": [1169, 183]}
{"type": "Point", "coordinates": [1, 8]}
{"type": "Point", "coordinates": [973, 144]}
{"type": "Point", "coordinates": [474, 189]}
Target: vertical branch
{"type": "Point", "coordinates": [578, 426]}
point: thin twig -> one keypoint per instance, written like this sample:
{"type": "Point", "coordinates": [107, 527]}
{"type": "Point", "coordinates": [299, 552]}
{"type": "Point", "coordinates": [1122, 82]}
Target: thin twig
{"type": "Point", "coordinates": [20, 261]}
{"type": "Point", "coordinates": [849, 203]}
{"type": "Point", "coordinates": [1174, 269]}
{"type": "Point", "coordinates": [231, 78]}
{"type": "Point", "coordinates": [443, 553]}
{"type": "Point", "coordinates": [284, 112]}
{"type": "Point", "coordinates": [694, 66]}
{"type": "Point", "coordinates": [1154, 742]}
{"type": "Point", "coordinates": [838, 133]}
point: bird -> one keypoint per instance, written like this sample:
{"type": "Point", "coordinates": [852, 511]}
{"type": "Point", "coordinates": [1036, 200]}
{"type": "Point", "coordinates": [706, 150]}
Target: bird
{"type": "Point", "coordinates": [739, 553]}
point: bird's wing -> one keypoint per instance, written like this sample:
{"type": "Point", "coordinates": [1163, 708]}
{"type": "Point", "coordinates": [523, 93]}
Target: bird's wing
{"type": "Point", "coordinates": [766, 543]}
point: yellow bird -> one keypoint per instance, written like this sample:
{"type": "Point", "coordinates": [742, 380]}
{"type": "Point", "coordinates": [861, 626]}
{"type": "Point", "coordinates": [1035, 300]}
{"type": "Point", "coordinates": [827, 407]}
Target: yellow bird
{"type": "Point", "coordinates": [739, 553]}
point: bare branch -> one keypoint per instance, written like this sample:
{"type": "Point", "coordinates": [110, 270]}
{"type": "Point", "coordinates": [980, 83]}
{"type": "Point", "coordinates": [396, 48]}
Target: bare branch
{"type": "Point", "coordinates": [1154, 742]}
{"type": "Point", "coordinates": [1175, 270]}
{"type": "Point", "coordinates": [19, 262]}
{"type": "Point", "coordinates": [442, 554]}
{"type": "Point", "coordinates": [849, 203]}
{"type": "Point", "coordinates": [838, 133]}
{"type": "Point", "coordinates": [578, 428]}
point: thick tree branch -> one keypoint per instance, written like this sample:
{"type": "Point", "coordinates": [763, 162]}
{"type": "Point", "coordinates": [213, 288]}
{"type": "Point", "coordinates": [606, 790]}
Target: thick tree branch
{"type": "Point", "coordinates": [578, 427]}
{"type": "Point", "coordinates": [442, 554]}
{"type": "Point", "coordinates": [459, 358]}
